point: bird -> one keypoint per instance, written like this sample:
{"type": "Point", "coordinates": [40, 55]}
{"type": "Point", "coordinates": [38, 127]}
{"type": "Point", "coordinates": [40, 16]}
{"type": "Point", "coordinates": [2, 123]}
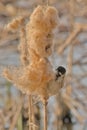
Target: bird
{"type": "Point", "coordinates": [55, 85]}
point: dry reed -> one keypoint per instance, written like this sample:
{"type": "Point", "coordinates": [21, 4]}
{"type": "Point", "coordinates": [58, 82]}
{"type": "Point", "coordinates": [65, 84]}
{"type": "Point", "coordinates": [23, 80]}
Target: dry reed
{"type": "Point", "coordinates": [72, 40]}
{"type": "Point", "coordinates": [36, 44]}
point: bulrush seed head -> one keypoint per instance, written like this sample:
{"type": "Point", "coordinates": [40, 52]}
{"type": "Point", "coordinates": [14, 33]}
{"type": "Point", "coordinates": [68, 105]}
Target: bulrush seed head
{"type": "Point", "coordinates": [39, 30]}
{"type": "Point", "coordinates": [36, 45]}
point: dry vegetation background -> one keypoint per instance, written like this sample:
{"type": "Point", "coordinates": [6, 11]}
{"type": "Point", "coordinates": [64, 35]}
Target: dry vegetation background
{"type": "Point", "coordinates": [67, 110]}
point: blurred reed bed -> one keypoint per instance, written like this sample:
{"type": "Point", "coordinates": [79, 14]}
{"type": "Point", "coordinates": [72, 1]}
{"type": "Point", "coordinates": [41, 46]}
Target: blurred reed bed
{"type": "Point", "coordinates": [70, 51]}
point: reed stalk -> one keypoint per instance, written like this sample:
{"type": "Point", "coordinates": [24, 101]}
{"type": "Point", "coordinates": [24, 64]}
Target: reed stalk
{"type": "Point", "coordinates": [30, 112]}
{"type": "Point", "coordinates": [45, 114]}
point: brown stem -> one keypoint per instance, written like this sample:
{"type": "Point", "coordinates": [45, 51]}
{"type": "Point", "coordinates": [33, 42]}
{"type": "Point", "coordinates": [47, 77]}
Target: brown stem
{"type": "Point", "coordinates": [69, 64]}
{"type": "Point", "coordinates": [32, 125]}
{"type": "Point", "coordinates": [45, 114]}
{"type": "Point", "coordinates": [33, 119]}
{"type": "Point", "coordinates": [30, 112]}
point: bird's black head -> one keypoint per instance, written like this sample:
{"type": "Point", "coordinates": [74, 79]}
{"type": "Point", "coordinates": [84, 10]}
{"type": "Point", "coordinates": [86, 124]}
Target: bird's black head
{"type": "Point", "coordinates": [61, 70]}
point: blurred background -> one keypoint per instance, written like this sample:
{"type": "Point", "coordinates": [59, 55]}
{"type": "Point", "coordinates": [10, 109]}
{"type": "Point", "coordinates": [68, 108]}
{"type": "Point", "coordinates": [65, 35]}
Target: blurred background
{"type": "Point", "coordinates": [68, 109]}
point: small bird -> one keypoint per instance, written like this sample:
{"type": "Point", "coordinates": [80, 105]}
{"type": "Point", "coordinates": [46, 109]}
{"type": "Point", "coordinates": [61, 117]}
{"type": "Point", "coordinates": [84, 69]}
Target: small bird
{"type": "Point", "coordinates": [55, 85]}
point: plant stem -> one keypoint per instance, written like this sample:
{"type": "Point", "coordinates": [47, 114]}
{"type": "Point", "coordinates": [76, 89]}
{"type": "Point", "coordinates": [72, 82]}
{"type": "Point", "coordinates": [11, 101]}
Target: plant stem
{"type": "Point", "coordinates": [45, 114]}
{"type": "Point", "coordinates": [30, 112]}
{"type": "Point", "coordinates": [20, 126]}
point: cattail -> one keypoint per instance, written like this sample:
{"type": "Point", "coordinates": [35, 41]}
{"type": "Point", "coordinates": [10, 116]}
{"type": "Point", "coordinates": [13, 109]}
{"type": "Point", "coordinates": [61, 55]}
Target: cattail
{"type": "Point", "coordinates": [36, 44]}
{"type": "Point", "coordinates": [32, 79]}
{"type": "Point", "coordinates": [39, 31]}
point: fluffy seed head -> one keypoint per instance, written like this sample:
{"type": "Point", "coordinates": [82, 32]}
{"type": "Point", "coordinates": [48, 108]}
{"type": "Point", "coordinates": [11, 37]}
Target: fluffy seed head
{"type": "Point", "coordinates": [39, 30]}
